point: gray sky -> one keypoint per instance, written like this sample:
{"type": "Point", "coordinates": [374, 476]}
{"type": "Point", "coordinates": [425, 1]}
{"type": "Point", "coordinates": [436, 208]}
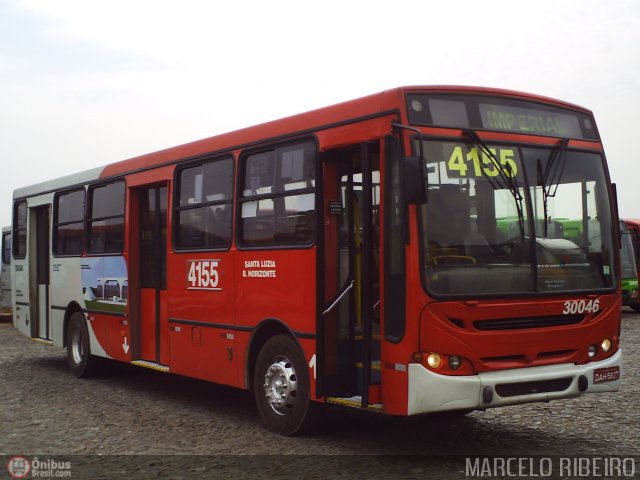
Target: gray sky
{"type": "Point", "coordinates": [84, 83]}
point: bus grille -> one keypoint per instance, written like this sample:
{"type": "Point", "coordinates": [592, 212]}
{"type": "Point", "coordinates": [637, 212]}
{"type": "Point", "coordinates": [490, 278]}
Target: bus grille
{"type": "Point", "coordinates": [522, 323]}
{"type": "Point", "coordinates": [528, 388]}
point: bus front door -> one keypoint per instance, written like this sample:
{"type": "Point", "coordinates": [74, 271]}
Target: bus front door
{"type": "Point", "coordinates": [39, 272]}
{"type": "Point", "coordinates": [152, 344]}
{"type": "Point", "coordinates": [348, 331]}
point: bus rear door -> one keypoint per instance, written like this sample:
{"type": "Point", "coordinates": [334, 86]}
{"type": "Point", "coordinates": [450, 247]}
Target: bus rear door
{"type": "Point", "coordinates": [39, 252]}
{"type": "Point", "coordinates": [149, 249]}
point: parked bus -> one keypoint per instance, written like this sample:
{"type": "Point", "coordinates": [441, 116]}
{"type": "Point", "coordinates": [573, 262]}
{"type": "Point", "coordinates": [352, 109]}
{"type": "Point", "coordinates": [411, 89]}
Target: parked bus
{"type": "Point", "coordinates": [396, 253]}
{"type": "Point", "coordinates": [630, 263]}
{"type": "Point", "coordinates": [5, 276]}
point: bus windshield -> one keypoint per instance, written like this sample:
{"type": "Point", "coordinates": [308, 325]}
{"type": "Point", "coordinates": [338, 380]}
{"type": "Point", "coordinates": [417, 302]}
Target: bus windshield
{"type": "Point", "coordinates": [513, 219]}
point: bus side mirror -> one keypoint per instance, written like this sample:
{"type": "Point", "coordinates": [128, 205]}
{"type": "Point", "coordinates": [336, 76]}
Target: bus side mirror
{"type": "Point", "coordinates": [614, 191]}
{"type": "Point", "coordinates": [414, 180]}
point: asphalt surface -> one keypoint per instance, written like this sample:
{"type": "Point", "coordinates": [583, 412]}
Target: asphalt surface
{"type": "Point", "coordinates": [136, 423]}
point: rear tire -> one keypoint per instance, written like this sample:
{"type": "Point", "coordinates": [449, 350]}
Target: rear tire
{"type": "Point", "coordinates": [79, 359]}
{"type": "Point", "coordinates": [281, 386]}
{"type": "Point", "coordinates": [636, 307]}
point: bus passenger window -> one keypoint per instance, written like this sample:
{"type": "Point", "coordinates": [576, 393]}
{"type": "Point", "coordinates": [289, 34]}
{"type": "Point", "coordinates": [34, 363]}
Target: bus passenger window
{"type": "Point", "coordinates": [204, 205]}
{"type": "Point", "coordinates": [105, 225]}
{"type": "Point", "coordinates": [278, 197]}
{"type": "Point", "coordinates": [20, 230]}
{"type": "Point", "coordinates": [6, 249]}
{"type": "Point", "coordinates": [68, 223]}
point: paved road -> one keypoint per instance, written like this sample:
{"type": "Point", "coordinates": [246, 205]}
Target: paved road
{"type": "Point", "coordinates": [44, 411]}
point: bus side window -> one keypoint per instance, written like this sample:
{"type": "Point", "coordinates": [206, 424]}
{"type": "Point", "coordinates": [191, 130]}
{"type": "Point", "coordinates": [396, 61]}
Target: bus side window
{"type": "Point", "coordinates": [277, 205]}
{"type": "Point", "coordinates": [6, 249]}
{"type": "Point", "coordinates": [68, 223]}
{"type": "Point", "coordinates": [204, 204]}
{"type": "Point", "coordinates": [105, 225]}
{"type": "Point", "coordinates": [19, 238]}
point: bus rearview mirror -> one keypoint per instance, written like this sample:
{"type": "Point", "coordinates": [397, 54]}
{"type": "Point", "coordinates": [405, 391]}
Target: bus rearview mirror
{"type": "Point", "coordinates": [414, 180]}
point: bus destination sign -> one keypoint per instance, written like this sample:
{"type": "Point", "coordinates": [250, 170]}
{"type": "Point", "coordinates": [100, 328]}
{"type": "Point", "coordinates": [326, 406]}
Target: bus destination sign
{"type": "Point", "coordinates": [499, 114]}
{"type": "Point", "coordinates": [527, 120]}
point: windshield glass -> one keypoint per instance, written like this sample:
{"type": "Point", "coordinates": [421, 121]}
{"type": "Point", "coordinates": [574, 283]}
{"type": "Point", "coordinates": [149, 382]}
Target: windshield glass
{"type": "Point", "coordinates": [508, 219]}
{"type": "Point", "coordinates": [627, 254]}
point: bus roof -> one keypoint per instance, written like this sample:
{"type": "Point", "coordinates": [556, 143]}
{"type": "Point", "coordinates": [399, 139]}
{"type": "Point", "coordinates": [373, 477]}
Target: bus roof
{"type": "Point", "coordinates": [58, 183]}
{"type": "Point", "coordinates": [387, 102]}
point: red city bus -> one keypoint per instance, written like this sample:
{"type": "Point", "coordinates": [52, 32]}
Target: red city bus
{"type": "Point", "coordinates": [424, 249]}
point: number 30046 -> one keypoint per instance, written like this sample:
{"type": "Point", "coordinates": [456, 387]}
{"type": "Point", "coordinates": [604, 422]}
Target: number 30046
{"type": "Point", "coordinates": [581, 306]}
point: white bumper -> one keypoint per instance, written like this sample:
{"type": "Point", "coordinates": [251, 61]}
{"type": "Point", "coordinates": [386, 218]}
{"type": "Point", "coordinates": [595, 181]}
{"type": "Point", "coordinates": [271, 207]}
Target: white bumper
{"type": "Point", "coordinates": [431, 392]}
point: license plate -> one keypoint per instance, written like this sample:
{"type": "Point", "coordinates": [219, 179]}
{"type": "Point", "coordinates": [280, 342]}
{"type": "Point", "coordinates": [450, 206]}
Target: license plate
{"type": "Point", "coordinates": [609, 374]}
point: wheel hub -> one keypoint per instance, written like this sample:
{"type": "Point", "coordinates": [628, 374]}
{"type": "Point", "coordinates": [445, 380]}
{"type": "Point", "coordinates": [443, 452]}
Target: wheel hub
{"type": "Point", "coordinates": [280, 386]}
{"type": "Point", "coordinates": [77, 347]}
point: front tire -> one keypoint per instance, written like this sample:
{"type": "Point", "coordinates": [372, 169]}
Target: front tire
{"type": "Point", "coordinates": [281, 386]}
{"type": "Point", "coordinates": [79, 359]}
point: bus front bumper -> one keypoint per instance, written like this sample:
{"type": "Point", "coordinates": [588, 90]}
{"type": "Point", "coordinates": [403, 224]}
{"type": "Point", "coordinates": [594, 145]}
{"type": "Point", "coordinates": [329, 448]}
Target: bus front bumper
{"type": "Point", "coordinates": [432, 392]}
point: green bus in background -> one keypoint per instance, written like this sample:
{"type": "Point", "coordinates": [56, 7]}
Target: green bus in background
{"type": "Point", "coordinates": [629, 267]}
{"type": "Point", "coordinates": [574, 230]}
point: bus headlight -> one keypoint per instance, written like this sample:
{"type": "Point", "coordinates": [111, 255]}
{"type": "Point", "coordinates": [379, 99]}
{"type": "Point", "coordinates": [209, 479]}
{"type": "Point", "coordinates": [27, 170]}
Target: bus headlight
{"type": "Point", "coordinates": [605, 345]}
{"type": "Point", "coordinates": [592, 351]}
{"type": "Point", "coordinates": [434, 360]}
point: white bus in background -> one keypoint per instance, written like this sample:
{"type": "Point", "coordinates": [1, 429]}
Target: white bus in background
{"type": "Point", "coordinates": [5, 277]}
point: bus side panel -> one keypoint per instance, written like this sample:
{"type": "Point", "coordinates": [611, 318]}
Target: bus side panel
{"type": "Point", "coordinates": [66, 287]}
{"type": "Point", "coordinates": [97, 334]}
{"type": "Point", "coordinates": [278, 286]}
{"type": "Point", "coordinates": [118, 338]}
{"type": "Point", "coordinates": [98, 285]}
{"type": "Point", "coordinates": [204, 352]}
{"type": "Point", "coordinates": [20, 296]}
{"type": "Point", "coordinates": [201, 306]}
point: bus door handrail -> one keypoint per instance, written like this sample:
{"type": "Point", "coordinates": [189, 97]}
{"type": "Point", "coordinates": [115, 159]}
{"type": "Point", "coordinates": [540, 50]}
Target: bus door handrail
{"type": "Point", "coordinates": [339, 298]}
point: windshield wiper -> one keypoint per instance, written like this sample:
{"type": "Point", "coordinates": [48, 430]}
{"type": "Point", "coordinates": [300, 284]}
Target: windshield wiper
{"type": "Point", "coordinates": [505, 182]}
{"type": "Point", "coordinates": [550, 179]}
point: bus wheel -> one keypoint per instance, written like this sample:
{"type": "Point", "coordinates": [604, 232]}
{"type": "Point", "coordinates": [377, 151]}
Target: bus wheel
{"type": "Point", "coordinates": [79, 358]}
{"type": "Point", "coordinates": [281, 386]}
{"type": "Point", "coordinates": [636, 307]}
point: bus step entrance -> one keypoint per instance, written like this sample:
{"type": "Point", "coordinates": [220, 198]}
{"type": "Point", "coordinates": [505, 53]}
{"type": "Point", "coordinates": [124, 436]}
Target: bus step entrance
{"type": "Point", "coordinates": [375, 400]}
{"type": "Point", "coordinates": [151, 365]}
